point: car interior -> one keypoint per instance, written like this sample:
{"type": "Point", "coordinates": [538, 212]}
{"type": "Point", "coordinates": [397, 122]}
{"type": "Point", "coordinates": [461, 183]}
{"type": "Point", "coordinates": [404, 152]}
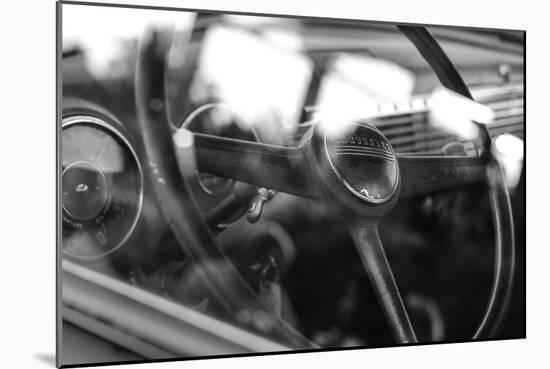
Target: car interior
{"type": "Point", "coordinates": [235, 183]}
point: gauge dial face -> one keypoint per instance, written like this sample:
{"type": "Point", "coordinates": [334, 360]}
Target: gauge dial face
{"type": "Point", "coordinates": [101, 187]}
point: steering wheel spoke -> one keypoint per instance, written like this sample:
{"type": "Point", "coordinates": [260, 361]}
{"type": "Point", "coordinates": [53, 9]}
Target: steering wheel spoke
{"type": "Point", "coordinates": [426, 174]}
{"type": "Point", "coordinates": [373, 256]}
{"type": "Point", "coordinates": [275, 167]}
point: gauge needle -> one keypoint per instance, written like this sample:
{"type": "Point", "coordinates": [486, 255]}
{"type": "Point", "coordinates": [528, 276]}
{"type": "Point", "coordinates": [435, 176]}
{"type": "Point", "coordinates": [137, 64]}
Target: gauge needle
{"type": "Point", "coordinates": [103, 151]}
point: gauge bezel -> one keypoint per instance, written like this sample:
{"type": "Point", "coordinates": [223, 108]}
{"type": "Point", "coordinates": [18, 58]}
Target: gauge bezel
{"type": "Point", "coordinates": [193, 115]}
{"type": "Point", "coordinates": [83, 119]}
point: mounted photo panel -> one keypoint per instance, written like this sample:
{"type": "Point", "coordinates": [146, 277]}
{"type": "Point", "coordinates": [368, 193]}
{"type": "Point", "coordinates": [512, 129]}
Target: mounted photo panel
{"type": "Point", "coordinates": [238, 184]}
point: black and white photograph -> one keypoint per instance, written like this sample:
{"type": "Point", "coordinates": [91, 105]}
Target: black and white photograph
{"type": "Point", "coordinates": [234, 184]}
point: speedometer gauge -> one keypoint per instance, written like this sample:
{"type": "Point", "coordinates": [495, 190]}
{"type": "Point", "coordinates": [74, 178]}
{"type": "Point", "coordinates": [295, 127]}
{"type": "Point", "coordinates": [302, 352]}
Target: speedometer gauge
{"type": "Point", "coordinates": [101, 187]}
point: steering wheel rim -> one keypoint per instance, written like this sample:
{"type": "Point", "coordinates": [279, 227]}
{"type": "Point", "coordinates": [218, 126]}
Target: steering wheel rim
{"type": "Point", "coordinates": [501, 207]}
{"type": "Point", "coordinates": [181, 211]}
{"type": "Point", "coordinates": [176, 200]}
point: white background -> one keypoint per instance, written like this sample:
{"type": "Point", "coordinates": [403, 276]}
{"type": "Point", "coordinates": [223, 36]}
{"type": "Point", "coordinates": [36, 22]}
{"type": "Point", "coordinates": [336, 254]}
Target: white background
{"type": "Point", "coordinates": [27, 228]}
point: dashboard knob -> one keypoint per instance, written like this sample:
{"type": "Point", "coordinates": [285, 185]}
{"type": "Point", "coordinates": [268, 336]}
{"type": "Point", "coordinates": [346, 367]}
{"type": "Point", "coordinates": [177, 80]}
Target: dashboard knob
{"type": "Point", "coordinates": [84, 191]}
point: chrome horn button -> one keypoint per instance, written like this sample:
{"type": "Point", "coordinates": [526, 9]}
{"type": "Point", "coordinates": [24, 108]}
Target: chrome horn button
{"type": "Point", "coordinates": [364, 161]}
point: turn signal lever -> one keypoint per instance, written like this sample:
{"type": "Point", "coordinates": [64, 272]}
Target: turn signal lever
{"type": "Point", "coordinates": [257, 204]}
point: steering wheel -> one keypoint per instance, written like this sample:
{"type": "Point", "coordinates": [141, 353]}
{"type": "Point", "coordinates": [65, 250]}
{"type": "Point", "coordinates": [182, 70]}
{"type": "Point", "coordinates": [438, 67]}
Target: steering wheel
{"type": "Point", "coordinates": [357, 172]}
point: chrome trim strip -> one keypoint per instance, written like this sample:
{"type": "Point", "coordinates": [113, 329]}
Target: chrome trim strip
{"type": "Point", "coordinates": [163, 323]}
{"type": "Point", "coordinates": [371, 155]}
{"type": "Point", "coordinates": [112, 334]}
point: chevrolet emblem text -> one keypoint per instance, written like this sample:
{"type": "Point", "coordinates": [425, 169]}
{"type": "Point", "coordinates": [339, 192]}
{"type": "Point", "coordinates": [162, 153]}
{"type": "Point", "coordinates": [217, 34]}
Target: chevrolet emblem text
{"type": "Point", "coordinates": [364, 161]}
